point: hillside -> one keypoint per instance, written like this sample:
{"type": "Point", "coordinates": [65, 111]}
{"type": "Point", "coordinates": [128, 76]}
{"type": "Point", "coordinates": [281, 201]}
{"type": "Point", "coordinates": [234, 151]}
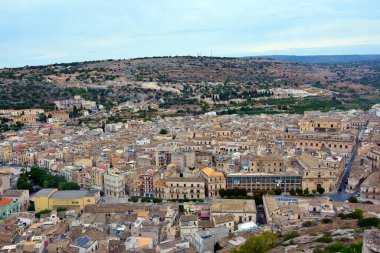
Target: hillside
{"type": "Point", "coordinates": [114, 81]}
{"type": "Point", "coordinates": [326, 59]}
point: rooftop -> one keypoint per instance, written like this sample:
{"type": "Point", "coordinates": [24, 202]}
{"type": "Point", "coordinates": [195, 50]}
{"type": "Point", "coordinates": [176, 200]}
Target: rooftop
{"type": "Point", "coordinates": [5, 201]}
{"type": "Point", "coordinates": [233, 205]}
{"type": "Point", "coordinates": [73, 194]}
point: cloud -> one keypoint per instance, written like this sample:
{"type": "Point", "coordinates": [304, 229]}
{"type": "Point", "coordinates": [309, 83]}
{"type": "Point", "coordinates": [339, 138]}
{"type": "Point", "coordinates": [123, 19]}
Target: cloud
{"type": "Point", "coordinates": [263, 48]}
{"type": "Point", "coordinates": [43, 31]}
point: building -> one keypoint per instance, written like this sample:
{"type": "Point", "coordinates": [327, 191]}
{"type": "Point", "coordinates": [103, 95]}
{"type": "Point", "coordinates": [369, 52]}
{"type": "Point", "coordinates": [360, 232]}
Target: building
{"type": "Point", "coordinates": [5, 182]}
{"type": "Point", "coordinates": [188, 224]}
{"type": "Point", "coordinates": [184, 188]}
{"type": "Point", "coordinates": [291, 211]}
{"type": "Point", "coordinates": [7, 207]}
{"type": "Point", "coordinates": [215, 181]}
{"type": "Point", "coordinates": [262, 180]}
{"type": "Point", "coordinates": [205, 240]}
{"type": "Point", "coordinates": [138, 242]}
{"type": "Point", "coordinates": [270, 163]}
{"type": "Point", "coordinates": [51, 198]}
{"type": "Point", "coordinates": [321, 125]}
{"type": "Point", "coordinates": [85, 244]}
{"type": "Point", "coordinates": [172, 246]}
{"type": "Point", "coordinates": [114, 185]}
{"type": "Point", "coordinates": [243, 210]}
{"type": "Point", "coordinates": [343, 143]}
{"type": "Point", "coordinates": [320, 172]}
{"type": "Point", "coordinates": [147, 185]}
{"type": "Point", "coordinates": [226, 220]}
{"type": "Point", "coordinates": [22, 196]}
{"type": "Point", "coordinates": [370, 188]}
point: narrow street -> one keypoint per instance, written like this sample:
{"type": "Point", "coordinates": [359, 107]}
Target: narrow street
{"type": "Point", "coordinates": [342, 195]}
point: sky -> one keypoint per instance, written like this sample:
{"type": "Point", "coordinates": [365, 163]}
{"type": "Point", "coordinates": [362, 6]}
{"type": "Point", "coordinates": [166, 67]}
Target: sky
{"type": "Point", "coordinates": [37, 32]}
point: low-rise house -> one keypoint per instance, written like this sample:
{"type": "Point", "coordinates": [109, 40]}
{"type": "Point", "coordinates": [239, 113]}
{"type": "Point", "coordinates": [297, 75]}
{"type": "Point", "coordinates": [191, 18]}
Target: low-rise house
{"type": "Point", "coordinates": [8, 206]}
{"type": "Point", "coordinates": [226, 220]}
{"type": "Point", "coordinates": [22, 196]}
{"type": "Point", "coordinates": [138, 242]}
{"type": "Point", "coordinates": [173, 246]}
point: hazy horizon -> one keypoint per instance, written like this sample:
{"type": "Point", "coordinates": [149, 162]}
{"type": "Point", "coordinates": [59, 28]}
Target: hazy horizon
{"type": "Point", "coordinates": [39, 32]}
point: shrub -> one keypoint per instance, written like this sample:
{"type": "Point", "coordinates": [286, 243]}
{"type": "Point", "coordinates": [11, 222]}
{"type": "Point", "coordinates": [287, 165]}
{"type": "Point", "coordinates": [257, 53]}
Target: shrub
{"type": "Point", "coordinates": [353, 199]}
{"type": "Point", "coordinates": [307, 224]}
{"type": "Point", "coordinates": [38, 215]}
{"type": "Point", "coordinates": [291, 235]}
{"type": "Point", "coordinates": [326, 220]}
{"type": "Point", "coordinates": [133, 199]}
{"type": "Point", "coordinates": [61, 209]}
{"type": "Point", "coordinates": [369, 222]}
{"type": "Point", "coordinates": [326, 238]}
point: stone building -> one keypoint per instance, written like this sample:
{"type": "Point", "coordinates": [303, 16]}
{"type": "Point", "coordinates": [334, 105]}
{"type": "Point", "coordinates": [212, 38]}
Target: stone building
{"type": "Point", "coordinates": [215, 180]}
{"type": "Point", "coordinates": [184, 188]}
{"type": "Point", "coordinates": [370, 188]}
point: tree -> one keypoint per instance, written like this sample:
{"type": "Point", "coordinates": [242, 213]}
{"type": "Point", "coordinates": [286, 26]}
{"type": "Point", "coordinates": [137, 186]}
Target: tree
{"type": "Point", "coordinates": [38, 215]}
{"type": "Point", "coordinates": [357, 214]}
{"type": "Point", "coordinates": [31, 207]}
{"type": "Point", "coordinates": [68, 186]}
{"type": "Point", "coordinates": [299, 191]}
{"type": "Point", "coordinates": [292, 192]}
{"type": "Point", "coordinates": [306, 191]}
{"type": "Point", "coordinates": [75, 112]}
{"type": "Point", "coordinates": [217, 247]}
{"type": "Point", "coordinates": [23, 183]}
{"type": "Point", "coordinates": [163, 131]}
{"type": "Point", "coordinates": [369, 222]}
{"type": "Point", "coordinates": [222, 193]}
{"type": "Point", "coordinates": [133, 199]}
{"type": "Point", "coordinates": [258, 243]}
{"type": "Point", "coordinates": [353, 199]}
{"type": "Point", "coordinates": [320, 190]}
{"type": "Point", "coordinates": [314, 191]}
{"type": "Point", "coordinates": [278, 191]}
{"type": "Point", "coordinates": [19, 124]}
{"type": "Point", "coordinates": [41, 117]}
{"type": "Point", "coordinates": [157, 200]}
{"type": "Point", "coordinates": [61, 209]}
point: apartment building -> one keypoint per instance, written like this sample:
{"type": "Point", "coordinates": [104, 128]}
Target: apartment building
{"type": "Point", "coordinates": [114, 185]}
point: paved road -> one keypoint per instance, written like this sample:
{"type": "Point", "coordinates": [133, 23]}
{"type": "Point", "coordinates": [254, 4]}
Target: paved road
{"type": "Point", "coordinates": [260, 215]}
{"type": "Point", "coordinates": [342, 195]}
